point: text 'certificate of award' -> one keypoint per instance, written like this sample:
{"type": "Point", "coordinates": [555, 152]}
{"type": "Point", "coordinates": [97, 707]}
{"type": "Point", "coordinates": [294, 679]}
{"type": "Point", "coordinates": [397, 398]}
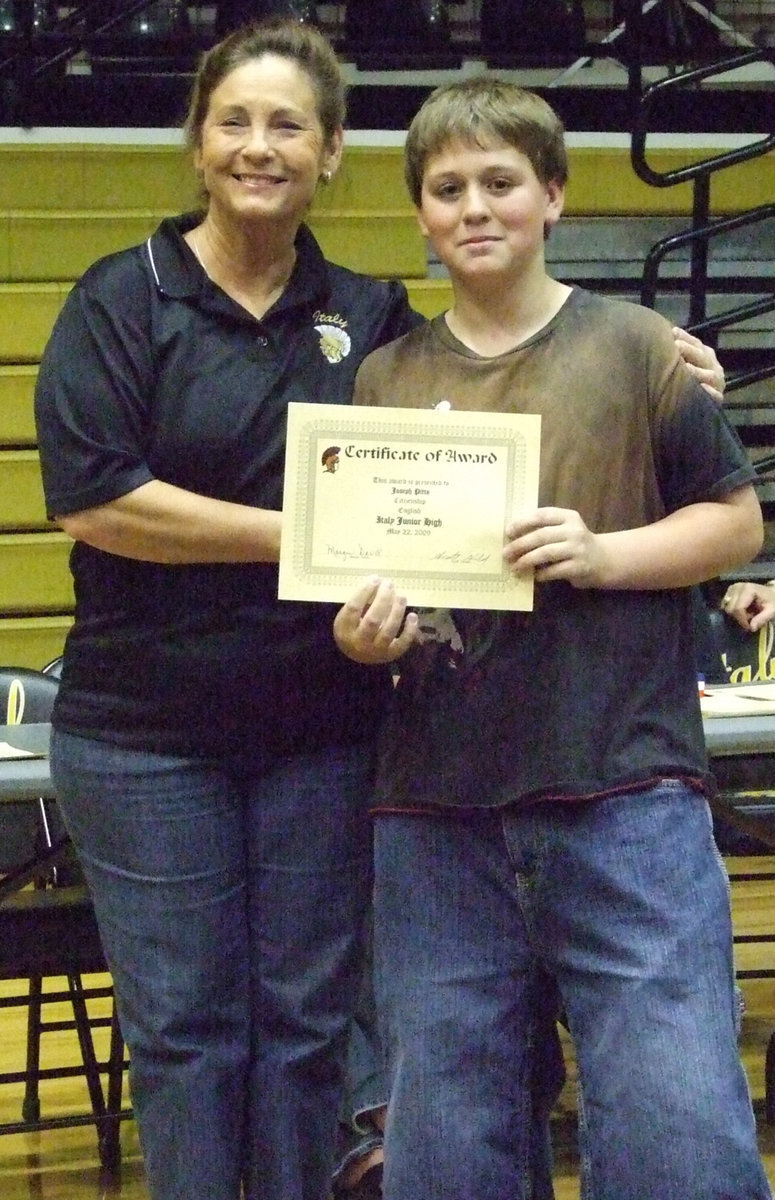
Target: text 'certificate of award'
{"type": "Point", "coordinates": [418, 496]}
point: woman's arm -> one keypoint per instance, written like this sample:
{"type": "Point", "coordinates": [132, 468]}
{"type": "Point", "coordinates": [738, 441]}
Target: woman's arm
{"type": "Point", "coordinates": [158, 522]}
{"type": "Point", "coordinates": [100, 427]}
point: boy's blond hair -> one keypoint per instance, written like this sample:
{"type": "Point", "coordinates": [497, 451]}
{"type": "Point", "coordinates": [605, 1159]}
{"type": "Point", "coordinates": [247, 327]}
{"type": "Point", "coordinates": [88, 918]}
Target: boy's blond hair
{"type": "Point", "coordinates": [482, 109]}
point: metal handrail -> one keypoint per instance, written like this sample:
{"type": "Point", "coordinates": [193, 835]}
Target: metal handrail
{"type": "Point", "coordinates": [698, 173]}
{"type": "Point", "coordinates": [705, 166]}
{"type": "Point", "coordinates": [72, 29]}
{"type": "Point", "coordinates": [697, 237]}
{"type": "Point", "coordinates": [763, 466]}
{"type": "Point", "coordinates": [709, 329]}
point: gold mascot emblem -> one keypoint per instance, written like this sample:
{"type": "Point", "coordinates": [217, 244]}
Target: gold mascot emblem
{"type": "Point", "coordinates": [334, 342]}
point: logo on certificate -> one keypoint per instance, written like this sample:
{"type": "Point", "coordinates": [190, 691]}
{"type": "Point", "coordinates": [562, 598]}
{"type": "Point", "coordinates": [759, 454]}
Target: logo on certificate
{"type": "Point", "coordinates": [330, 459]}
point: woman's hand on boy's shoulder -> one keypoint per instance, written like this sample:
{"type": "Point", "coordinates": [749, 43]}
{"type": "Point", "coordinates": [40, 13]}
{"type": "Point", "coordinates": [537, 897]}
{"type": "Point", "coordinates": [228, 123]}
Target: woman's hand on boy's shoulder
{"type": "Point", "coordinates": [373, 626]}
{"type": "Point", "coordinates": [555, 543]}
{"type": "Point", "coordinates": [702, 362]}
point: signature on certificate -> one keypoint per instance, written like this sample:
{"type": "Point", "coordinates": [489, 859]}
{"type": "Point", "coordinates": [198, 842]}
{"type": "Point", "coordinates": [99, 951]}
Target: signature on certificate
{"type": "Point", "coordinates": [461, 556]}
{"type": "Point", "coordinates": [348, 555]}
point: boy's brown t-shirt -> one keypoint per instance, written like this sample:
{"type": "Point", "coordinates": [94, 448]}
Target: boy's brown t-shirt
{"type": "Point", "coordinates": [594, 691]}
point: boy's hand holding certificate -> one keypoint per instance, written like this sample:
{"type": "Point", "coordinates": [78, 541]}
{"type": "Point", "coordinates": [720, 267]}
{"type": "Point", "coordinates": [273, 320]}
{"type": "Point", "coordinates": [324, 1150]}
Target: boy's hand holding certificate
{"type": "Point", "coordinates": [420, 496]}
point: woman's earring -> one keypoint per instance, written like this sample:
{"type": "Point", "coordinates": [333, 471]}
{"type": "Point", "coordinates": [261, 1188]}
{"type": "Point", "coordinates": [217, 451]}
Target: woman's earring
{"type": "Point", "coordinates": [326, 177]}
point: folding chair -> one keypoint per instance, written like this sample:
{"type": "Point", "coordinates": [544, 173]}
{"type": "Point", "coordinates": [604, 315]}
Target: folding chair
{"type": "Point", "coordinates": [50, 930]}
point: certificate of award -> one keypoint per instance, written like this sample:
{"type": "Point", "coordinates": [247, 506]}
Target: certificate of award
{"type": "Point", "coordinates": [419, 496]}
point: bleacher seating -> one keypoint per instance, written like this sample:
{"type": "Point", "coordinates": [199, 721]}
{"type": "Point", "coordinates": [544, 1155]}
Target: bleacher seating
{"type": "Point", "coordinates": [81, 63]}
{"type": "Point", "coordinates": [63, 204]}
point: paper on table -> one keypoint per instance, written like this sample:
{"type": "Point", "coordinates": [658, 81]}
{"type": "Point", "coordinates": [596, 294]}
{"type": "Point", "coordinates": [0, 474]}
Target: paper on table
{"type": "Point", "coordinates": [757, 691]}
{"type": "Point", "coordinates": [9, 751]}
{"type": "Point", "coordinates": [748, 701]}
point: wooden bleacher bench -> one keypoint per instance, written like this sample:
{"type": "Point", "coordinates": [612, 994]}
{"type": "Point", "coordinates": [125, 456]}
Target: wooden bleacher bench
{"type": "Point", "coordinates": [63, 204]}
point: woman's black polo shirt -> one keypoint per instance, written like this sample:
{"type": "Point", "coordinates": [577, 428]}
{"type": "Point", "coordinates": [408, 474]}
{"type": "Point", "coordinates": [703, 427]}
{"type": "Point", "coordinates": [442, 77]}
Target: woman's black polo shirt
{"type": "Point", "coordinates": [152, 372]}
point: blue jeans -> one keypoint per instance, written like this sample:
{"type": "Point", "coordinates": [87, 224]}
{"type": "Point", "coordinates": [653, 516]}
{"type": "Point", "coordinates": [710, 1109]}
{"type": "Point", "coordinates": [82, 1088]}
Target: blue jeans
{"type": "Point", "coordinates": [365, 1082]}
{"type": "Point", "coordinates": [230, 900]}
{"type": "Point", "coordinates": [366, 1087]}
{"type": "Point", "coordinates": [624, 903]}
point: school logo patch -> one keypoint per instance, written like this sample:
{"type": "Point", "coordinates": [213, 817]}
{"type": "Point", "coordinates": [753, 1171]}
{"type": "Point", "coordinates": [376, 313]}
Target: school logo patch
{"type": "Point", "coordinates": [334, 342]}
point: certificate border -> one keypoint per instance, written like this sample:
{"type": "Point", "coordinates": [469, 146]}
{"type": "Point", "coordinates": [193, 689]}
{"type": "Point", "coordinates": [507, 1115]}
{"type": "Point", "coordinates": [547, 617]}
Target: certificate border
{"type": "Point", "coordinates": [499, 589]}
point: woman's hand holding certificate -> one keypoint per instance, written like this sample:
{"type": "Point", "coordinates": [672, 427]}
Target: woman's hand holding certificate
{"type": "Point", "coordinates": [374, 626]}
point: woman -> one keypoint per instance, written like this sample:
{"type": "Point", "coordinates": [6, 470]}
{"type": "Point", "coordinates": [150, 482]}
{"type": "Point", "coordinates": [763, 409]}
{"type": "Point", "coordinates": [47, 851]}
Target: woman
{"type": "Point", "coordinates": [211, 749]}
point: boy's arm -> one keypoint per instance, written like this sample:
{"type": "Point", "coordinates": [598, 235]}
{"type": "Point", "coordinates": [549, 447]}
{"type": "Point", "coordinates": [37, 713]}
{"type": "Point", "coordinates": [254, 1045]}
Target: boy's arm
{"type": "Point", "coordinates": [690, 545]}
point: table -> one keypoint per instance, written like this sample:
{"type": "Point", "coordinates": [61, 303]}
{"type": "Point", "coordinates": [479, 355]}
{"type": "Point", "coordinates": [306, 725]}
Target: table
{"type": "Point", "coordinates": [29, 778]}
{"type": "Point", "coordinates": [725, 737]}
{"type": "Point", "coordinates": [739, 735]}
{"type": "Point", "coordinates": [26, 778]}
{"type": "Point", "coordinates": [746, 806]}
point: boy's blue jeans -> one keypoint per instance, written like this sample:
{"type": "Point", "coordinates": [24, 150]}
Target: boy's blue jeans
{"type": "Point", "coordinates": [625, 902]}
{"type": "Point", "coordinates": [230, 902]}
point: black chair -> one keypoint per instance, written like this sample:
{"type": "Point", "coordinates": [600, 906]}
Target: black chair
{"type": "Point", "coordinates": [745, 657]}
{"type": "Point", "coordinates": [231, 14]}
{"type": "Point", "coordinates": [49, 930]}
{"type": "Point", "coordinates": [671, 32]}
{"type": "Point", "coordinates": [154, 18]}
{"type": "Point", "coordinates": [54, 668]}
{"type": "Point", "coordinates": [744, 812]}
{"type": "Point", "coordinates": [414, 33]}
{"type": "Point", "coordinates": [25, 15]}
{"type": "Point", "coordinates": [25, 696]}
{"type": "Point", "coordinates": [512, 32]}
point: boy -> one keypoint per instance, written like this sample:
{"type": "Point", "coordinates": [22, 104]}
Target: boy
{"type": "Point", "coordinates": [540, 799]}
